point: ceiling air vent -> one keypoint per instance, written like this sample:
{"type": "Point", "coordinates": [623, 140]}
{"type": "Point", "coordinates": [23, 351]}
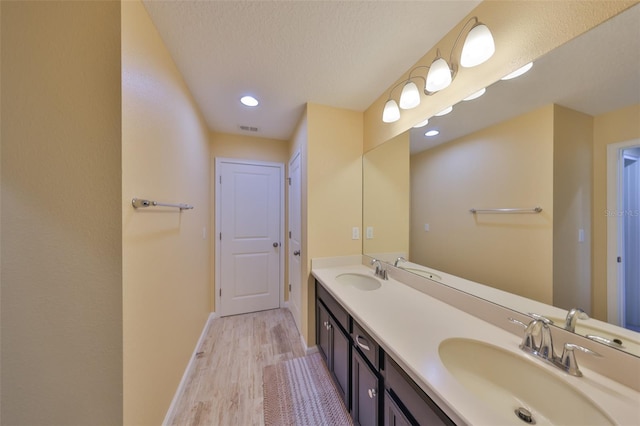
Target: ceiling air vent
{"type": "Point", "coordinates": [249, 128]}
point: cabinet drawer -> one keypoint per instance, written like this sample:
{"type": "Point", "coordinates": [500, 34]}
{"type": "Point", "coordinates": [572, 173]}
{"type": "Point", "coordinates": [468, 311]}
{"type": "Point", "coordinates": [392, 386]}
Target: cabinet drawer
{"type": "Point", "coordinates": [334, 307]}
{"type": "Point", "coordinates": [366, 344]}
{"type": "Point", "coordinates": [408, 395]}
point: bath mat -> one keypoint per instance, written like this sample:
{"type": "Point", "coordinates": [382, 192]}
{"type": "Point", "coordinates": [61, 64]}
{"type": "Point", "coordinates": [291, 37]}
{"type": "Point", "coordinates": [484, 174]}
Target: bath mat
{"type": "Point", "coordinates": [300, 392]}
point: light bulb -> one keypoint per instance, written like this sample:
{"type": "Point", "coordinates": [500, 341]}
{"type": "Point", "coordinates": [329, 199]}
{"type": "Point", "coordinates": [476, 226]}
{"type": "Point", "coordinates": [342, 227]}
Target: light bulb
{"type": "Point", "coordinates": [410, 97]}
{"type": "Point", "coordinates": [391, 112]}
{"type": "Point", "coordinates": [421, 124]}
{"type": "Point", "coordinates": [518, 72]}
{"type": "Point", "coordinates": [249, 101]}
{"type": "Point", "coordinates": [475, 95]}
{"type": "Point", "coordinates": [432, 133]}
{"type": "Point", "coordinates": [445, 111]}
{"type": "Point", "coordinates": [439, 76]}
{"type": "Point", "coordinates": [478, 46]}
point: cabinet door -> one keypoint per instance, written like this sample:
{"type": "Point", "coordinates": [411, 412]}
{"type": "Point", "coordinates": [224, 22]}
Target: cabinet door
{"type": "Point", "coordinates": [393, 415]}
{"type": "Point", "coordinates": [341, 356]}
{"type": "Point", "coordinates": [322, 332]}
{"type": "Point", "coordinates": [365, 402]}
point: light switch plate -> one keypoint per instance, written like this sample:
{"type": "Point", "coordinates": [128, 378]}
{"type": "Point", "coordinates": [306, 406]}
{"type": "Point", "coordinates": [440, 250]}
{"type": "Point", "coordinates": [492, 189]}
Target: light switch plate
{"type": "Point", "coordinates": [355, 233]}
{"type": "Point", "coordinates": [369, 232]}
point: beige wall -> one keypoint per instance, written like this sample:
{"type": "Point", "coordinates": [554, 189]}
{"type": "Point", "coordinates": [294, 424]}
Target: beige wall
{"type": "Point", "coordinates": [616, 126]}
{"type": "Point", "coordinates": [61, 269]}
{"type": "Point", "coordinates": [508, 165]}
{"type": "Point", "coordinates": [386, 199]}
{"type": "Point", "coordinates": [572, 159]}
{"type": "Point", "coordinates": [333, 193]}
{"type": "Point", "coordinates": [244, 147]}
{"type": "Point", "coordinates": [166, 260]}
{"type": "Point", "coordinates": [523, 31]}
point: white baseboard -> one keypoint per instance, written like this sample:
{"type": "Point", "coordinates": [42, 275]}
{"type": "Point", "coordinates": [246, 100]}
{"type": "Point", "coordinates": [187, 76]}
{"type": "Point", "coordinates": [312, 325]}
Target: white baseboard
{"type": "Point", "coordinates": [187, 371]}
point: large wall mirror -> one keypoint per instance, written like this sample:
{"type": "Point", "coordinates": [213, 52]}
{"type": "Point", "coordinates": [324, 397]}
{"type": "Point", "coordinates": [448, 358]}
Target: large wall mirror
{"type": "Point", "coordinates": [537, 141]}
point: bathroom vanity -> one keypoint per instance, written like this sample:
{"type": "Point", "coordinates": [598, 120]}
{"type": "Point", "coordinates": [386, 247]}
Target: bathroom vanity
{"type": "Point", "coordinates": [399, 355]}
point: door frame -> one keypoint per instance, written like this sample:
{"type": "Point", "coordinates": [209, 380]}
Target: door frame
{"type": "Point", "coordinates": [615, 286]}
{"type": "Point", "coordinates": [217, 248]}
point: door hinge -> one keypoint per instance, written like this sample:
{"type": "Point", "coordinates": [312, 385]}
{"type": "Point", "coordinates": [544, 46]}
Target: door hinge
{"type": "Point", "coordinates": [289, 181]}
{"type": "Point", "coordinates": [220, 180]}
{"type": "Point", "coordinates": [289, 234]}
{"type": "Point", "coordinates": [289, 286]}
{"type": "Point", "coordinates": [619, 259]}
{"type": "Point", "coordinates": [220, 293]}
{"type": "Point", "coordinates": [221, 236]}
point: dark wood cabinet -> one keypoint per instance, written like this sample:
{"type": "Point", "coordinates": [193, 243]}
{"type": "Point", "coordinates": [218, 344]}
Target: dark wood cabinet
{"type": "Point", "coordinates": [365, 391]}
{"type": "Point", "coordinates": [334, 344]}
{"type": "Point", "coordinates": [393, 415]}
{"type": "Point", "coordinates": [374, 388]}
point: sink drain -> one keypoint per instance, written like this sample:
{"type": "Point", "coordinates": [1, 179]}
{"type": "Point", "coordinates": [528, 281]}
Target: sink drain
{"type": "Point", "coordinates": [525, 415]}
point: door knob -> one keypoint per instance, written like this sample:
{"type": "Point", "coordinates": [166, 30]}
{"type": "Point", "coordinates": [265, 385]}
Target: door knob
{"type": "Point", "coordinates": [276, 244]}
{"type": "Point", "coordinates": [296, 253]}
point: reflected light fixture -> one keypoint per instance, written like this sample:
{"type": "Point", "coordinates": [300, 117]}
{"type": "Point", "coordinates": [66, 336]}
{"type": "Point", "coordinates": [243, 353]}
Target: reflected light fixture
{"type": "Point", "coordinates": [445, 111]}
{"type": "Point", "coordinates": [475, 95]}
{"type": "Point", "coordinates": [421, 124]}
{"type": "Point", "coordinates": [391, 112]}
{"type": "Point", "coordinates": [249, 101]}
{"type": "Point", "coordinates": [432, 133]}
{"type": "Point", "coordinates": [410, 96]}
{"type": "Point", "coordinates": [439, 76]}
{"type": "Point", "coordinates": [518, 72]}
{"type": "Point", "coordinates": [478, 47]}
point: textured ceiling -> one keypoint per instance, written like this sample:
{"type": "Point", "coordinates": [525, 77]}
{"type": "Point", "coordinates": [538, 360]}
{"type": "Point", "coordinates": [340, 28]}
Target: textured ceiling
{"type": "Point", "coordinates": [287, 53]}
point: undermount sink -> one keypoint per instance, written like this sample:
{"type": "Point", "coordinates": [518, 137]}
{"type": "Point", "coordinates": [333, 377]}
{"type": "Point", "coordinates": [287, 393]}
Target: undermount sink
{"type": "Point", "coordinates": [359, 281]}
{"type": "Point", "coordinates": [508, 383]}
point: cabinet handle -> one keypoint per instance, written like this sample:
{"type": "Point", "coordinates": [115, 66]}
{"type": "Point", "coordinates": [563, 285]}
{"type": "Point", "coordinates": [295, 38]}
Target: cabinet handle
{"type": "Point", "coordinates": [329, 326]}
{"type": "Point", "coordinates": [326, 324]}
{"type": "Point", "coordinates": [362, 345]}
{"type": "Point", "coordinates": [372, 393]}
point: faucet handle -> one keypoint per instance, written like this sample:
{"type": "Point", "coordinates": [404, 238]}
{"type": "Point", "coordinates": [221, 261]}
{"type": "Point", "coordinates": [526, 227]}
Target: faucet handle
{"type": "Point", "coordinates": [568, 360]}
{"type": "Point", "coordinates": [540, 317]}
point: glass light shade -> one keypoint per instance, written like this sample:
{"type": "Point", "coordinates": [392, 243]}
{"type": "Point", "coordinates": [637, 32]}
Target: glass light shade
{"type": "Point", "coordinates": [445, 111]}
{"type": "Point", "coordinates": [421, 124]}
{"type": "Point", "coordinates": [391, 112]}
{"type": "Point", "coordinates": [518, 72]}
{"type": "Point", "coordinates": [475, 95]}
{"type": "Point", "coordinates": [478, 46]}
{"type": "Point", "coordinates": [439, 76]}
{"type": "Point", "coordinates": [432, 133]}
{"type": "Point", "coordinates": [410, 97]}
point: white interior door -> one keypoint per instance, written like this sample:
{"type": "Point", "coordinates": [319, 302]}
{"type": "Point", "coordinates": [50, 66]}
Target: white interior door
{"type": "Point", "coordinates": [295, 237]}
{"type": "Point", "coordinates": [248, 218]}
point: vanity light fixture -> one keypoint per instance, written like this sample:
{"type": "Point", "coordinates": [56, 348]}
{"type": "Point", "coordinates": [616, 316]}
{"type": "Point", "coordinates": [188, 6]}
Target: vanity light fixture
{"type": "Point", "coordinates": [391, 112]}
{"type": "Point", "coordinates": [432, 133]}
{"type": "Point", "coordinates": [475, 95]}
{"type": "Point", "coordinates": [410, 96]}
{"type": "Point", "coordinates": [421, 124]}
{"type": "Point", "coordinates": [518, 72]}
{"type": "Point", "coordinates": [249, 101]}
{"type": "Point", "coordinates": [445, 111]}
{"type": "Point", "coordinates": [477, 48]}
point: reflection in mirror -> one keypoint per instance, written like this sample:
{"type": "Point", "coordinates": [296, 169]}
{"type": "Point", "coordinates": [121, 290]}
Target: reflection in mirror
{"type": "Point", "coordinates": [538, 140]}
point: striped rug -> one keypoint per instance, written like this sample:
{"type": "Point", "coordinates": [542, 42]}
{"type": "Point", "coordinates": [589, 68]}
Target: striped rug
{"type": "Point", "coordinates": [300, 392]}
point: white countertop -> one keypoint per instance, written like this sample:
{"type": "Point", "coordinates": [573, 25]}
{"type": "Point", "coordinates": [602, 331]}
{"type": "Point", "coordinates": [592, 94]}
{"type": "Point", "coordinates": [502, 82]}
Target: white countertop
{"type": "Point", "coordinates": [409, 325]}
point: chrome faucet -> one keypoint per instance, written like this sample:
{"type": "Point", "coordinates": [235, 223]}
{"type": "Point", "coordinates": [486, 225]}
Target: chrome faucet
{"type": "Point", "coordinates": [572, 319]}
{"type": "Point", "coordinates": [398, 260]}
{"type": "Point", "coordinates": [380, 271]}
{"type": "Point", "coordinates": [537, 341]}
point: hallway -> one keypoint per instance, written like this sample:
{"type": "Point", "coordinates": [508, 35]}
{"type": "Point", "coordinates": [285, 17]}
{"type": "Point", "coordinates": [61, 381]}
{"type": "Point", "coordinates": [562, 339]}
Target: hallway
{"type": "Point", "coordinates": [225, 385]}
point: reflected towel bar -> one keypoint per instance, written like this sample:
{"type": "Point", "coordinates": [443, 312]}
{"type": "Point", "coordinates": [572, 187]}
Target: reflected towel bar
{"type": "Point", "coordinates": [532, 210]}
{"type": "Point", "coordinates": [138, 203]}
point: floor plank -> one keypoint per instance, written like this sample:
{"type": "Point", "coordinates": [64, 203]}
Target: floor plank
{"type": "Point", "coordinates": [225, 384]}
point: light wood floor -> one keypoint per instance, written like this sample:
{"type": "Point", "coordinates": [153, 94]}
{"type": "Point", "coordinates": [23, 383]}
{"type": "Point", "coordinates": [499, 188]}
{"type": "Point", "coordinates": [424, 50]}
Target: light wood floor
{"type": "Point", "coordinates": [225, 384]}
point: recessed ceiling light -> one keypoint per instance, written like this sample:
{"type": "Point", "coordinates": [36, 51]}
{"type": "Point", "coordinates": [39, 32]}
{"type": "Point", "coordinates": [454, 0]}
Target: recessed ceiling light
{"type": "Point", "coordinates": [518, 72]}
{"type": "Point", "coordinates": [432, 133]}
{"type": "Point", "coordinates": [421, 124]}
{"type": "Point", "coordinates": [444, 111]}
{"type": "Point", "coordinates": [249, 101]}
{"type": "Point", "coordinates": [475, 95]}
